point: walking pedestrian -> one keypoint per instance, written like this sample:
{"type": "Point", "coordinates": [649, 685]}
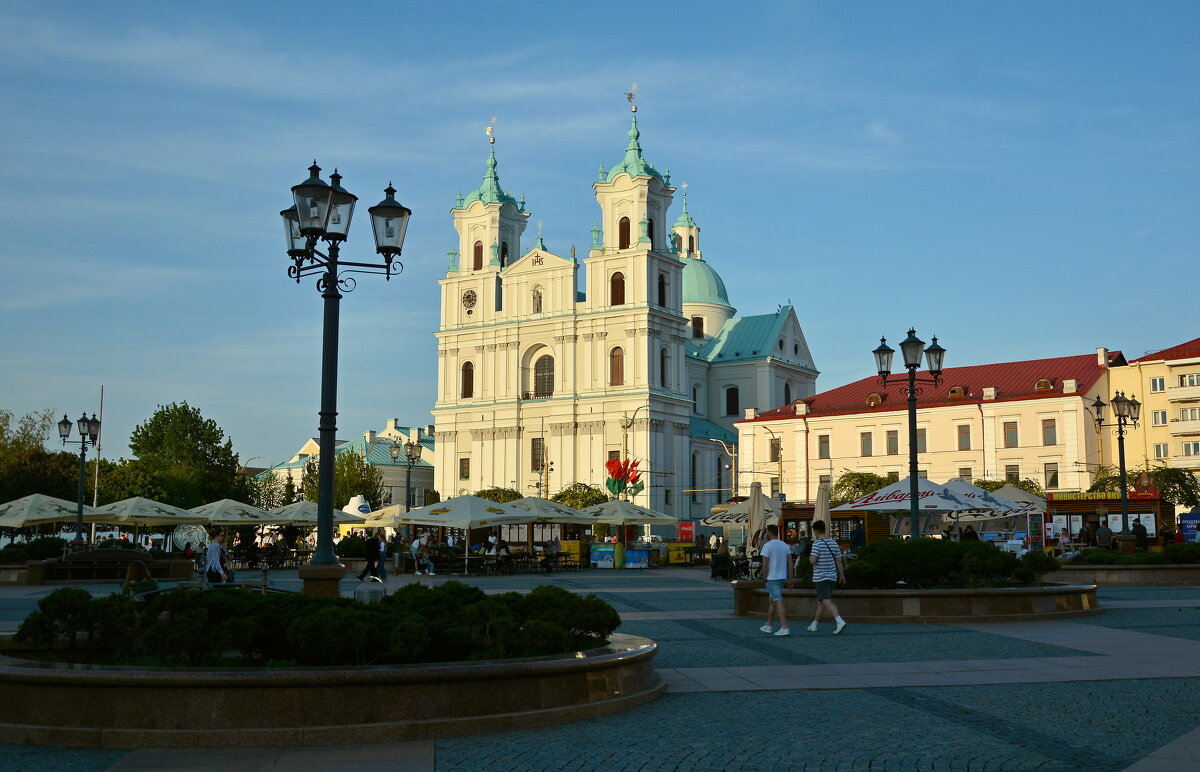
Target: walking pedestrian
{"type": "Point", "coordinates": [371, 555]}
{"type": "Point", "coordinates": [826, 559]}
{"type": "Point", "coordinates": [214, 563]}
{"type": "Point", "coordinates": [777, 568]}
{"type": "Point", "coordinates": [381, 571]}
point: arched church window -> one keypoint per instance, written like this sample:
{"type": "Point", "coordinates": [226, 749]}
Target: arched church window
{"type": "Point", "coordinates": [664, 367]}
{"type": "Point", "coordinates": [468, 380]}
{"type": "Point", "coordinates": [697, 326]}
{"type": "Point", "coordinates": [616, 367]}
{"type": "Point", "coordinates": [731, 400]}
{"type": "Point", "coordinates": [499, 293]}
{"type": "Point", "coordinates": [543, 376]}
{"type": "Point", "coordinates": [503, 254]}
{"type": "Point", "coordinates": [662, 289]}
{"type": "Point", "coordinates": [650, 230]}
{"type": "Point", "coordinates": [692, 481]}
{"type": "Point", "coordinates": [477, 256]}
{"type": "Point", "coordinates": [677, 240]}
{"type": "Point", "coordinates": [537, 300]}
{"type": "Point", "coordinates": [616, 289]}
{"type": "Point", "coordinates": [787, 393]}
{"type": "Point", "coordinates": [623, 233]}
{"type": "Point", "coordinates": [691, 244]}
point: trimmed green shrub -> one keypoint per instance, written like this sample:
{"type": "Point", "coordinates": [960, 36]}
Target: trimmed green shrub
{"type": "Point", "coordinates": [350, 547]}
{"type": "Point", "coordinates": [939, 563]}
{"type": "Point", "coordinates": [1106, 557]}
{"type": "Point", "coordinates": [45, 547]}
{"type": "Point", "coordinates": [13, 555]}
{"type": "Point", "coordinates": [449, 622]}
{"type": "Point", "coordinates": [1182, 553]}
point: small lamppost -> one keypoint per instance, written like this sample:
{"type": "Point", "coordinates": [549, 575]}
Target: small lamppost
{"type": "Point", "coordinates": [322, 212]}
{"type": "Point", "coordinates": [89, 434]}
{"type": "Point", "coordinates": [1127, 413]}
{"type": "Point", "coordinates": [911, 348]}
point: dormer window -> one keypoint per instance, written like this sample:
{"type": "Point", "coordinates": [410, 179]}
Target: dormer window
{"type": "Point", "coordinates": [874, 399]}
{"type": "Point", "coordinates": [1043, 384]}
{"type": "Point", "coordinates": [956, 392]}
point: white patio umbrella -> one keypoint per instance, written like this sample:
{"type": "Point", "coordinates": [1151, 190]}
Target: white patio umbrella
{"type": "Point", "coordinates": [230, 512]}
{"type": "Point", "coordinates": [1018, 496]}
{"type": "Point", "coordinates": [821, 508]}
{"type": "Point", "coordinates": [759, 517]}
{"type": "Point", "coordinates": [931, 499]}
{"type": "Point", "coordinates": [464, 512]}
{"type": "Point", "coordinates": [37, 508]}
{"type": "Point", "coordinates": [620, 512]}
{"type": "Point", "coordinates": [985, 498]}
{"type": "Point", "coordinates": [303, 514]}
{"type": "Point", "coordinates": [137, 511]}
{"type": "Point", "coordinates": [548, 511]}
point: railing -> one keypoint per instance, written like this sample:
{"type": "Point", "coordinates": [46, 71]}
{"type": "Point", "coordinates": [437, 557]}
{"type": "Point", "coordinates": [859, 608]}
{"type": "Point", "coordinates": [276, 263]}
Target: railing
{"type": "Point", "coordinates": [1183, 393]}
{"type": "Point", "coordinates": [535, 395]}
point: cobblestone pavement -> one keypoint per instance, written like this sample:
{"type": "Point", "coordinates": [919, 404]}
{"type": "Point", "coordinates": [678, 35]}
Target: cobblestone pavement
{"type": "Point", "coordinates": [1109, 692]}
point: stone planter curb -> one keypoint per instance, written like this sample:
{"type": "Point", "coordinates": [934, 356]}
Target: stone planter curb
{"type": "Point", "coordinates": [1173, 575]}
{"type": "Point", "coordinates": [132, 707]}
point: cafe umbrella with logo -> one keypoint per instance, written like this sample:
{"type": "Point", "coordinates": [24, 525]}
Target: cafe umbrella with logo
{"type": "Point", "coordinates": [932, 499]}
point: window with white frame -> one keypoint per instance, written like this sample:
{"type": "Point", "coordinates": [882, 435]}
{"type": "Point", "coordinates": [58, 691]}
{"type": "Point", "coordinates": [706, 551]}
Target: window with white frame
{"type": "Point", "coordinates": [1189, 379]}
{"type": "Point", "coordinates": [1189, 414]}
{"type": "Point", "coordinates": [1160, 450]}
{"type": "Point", "coordinates": [1159, 418]}
{"type": "Point", "coordinates": [1012, 473]}
{"type": "Point", "coordinates": [1191, 448]}
{"type": "Point", "coordinates": [1050, 475]}
{"type": "Point", "coordinates": [964, 474]}
{"type": "Point", "coordinates": [1158, 384]}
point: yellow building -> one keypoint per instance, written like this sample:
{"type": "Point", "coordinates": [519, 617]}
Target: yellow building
{"type": "Point", "coordinates": [1167, 383]}
{"type": "Point", "coordinates": [999, 421]}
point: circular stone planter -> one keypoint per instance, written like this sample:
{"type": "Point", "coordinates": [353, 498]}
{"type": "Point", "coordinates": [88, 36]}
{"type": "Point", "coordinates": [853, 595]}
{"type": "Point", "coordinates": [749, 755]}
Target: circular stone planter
{"type": "Point", "coordinates": [1006, 604]}
{"type": "Point", "coordinates": [1186, 575]}
{"type": "Point", "coordinates": [99, 706]}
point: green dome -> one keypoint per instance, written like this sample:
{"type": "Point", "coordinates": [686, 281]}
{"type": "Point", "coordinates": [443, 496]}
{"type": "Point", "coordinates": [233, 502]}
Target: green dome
{"type": "Point", "coordinates": [701, 284]}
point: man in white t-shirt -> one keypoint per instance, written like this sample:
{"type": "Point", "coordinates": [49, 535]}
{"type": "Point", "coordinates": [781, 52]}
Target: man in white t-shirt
{"type": "Point", "coordinates": [777, 568]}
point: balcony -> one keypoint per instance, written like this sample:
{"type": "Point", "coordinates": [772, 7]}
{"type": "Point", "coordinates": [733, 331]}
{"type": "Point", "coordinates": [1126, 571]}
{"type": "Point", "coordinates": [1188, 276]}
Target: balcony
{"type": "Point", "coordinates": [1183, 393]}
{"type": "Point", "coordinates": [1184, 462]}
{"type": "Point", "coordinates": [1183, 428]}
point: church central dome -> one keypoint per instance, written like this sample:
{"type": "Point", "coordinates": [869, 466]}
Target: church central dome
{"type": "Point", "coordinates": [701, 284]}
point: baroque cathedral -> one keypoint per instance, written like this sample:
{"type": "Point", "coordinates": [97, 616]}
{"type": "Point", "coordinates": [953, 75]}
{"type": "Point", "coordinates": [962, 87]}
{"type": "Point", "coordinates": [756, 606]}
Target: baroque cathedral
{"type": "Point", "coordinates": [542, 378]}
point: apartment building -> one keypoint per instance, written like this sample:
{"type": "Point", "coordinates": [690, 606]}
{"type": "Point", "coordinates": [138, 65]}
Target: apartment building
{"type": "Point", "coordinates": [1167, 383]}
{"type": "Point", "coordinates": [1000, 421]}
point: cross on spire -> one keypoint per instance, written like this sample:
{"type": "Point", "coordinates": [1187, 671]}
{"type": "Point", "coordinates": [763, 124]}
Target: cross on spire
{"type": "Point", "coordinates": [490, 130]}
{"type": "Point", "coordinates": [631, 96]}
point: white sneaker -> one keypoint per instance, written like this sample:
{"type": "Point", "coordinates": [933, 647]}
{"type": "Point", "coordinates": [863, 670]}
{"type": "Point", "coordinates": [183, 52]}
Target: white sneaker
{"type": "Point", "coordinates": [782, 631]}
{"type": "Point", "coordinates": [767, 629]}
{"type": "Point", "coordinates": [419, 573]}
{"type": "Point", "coordinates": [841, 625]}
{"type": "Point", "coordinates": [431, 573]}
{"type": "Point", "coordinates": [812, 628]}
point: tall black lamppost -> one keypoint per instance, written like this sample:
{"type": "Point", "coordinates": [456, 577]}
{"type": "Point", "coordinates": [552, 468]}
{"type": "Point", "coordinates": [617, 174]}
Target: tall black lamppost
{"type": "Point", "coordinates": [412, 454]}
{"type": "Point", "coordinates": [1127, 413]}
{"type": "Point", "coordinates": [89, 434]}
{"type": "Point", "coordinates": [322, 212]}
{"type": "Point", "coordinates": [911, 348]}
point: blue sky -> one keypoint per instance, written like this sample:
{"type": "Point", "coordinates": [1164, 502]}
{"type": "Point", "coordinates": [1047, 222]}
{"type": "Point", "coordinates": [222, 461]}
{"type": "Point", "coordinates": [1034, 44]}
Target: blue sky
{"type": "Point", "coordinates": [1018, 178]}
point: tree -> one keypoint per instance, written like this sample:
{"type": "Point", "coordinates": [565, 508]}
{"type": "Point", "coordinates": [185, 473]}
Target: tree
{"type": "Point", "coordinates": [126, 478]}
{"type": "Point", "coordinates": [267, 491]}
{"type": "Point", "coordinates": [32, 430]}
{"type": "Point", "coordinates": [188, 456]}
{"type": "Point", "coordinates": [580, 496]}
{"type": "Point", "coordinates": [854, 485]}
{"type": "Point", "coordinates": [1177, 486]}
{"type": "Point", "coordinates": [498, 495]}
{"type": "Point", "coordinates": [26, 469]}
{"type": "Point", "coordinates": [353, 475]}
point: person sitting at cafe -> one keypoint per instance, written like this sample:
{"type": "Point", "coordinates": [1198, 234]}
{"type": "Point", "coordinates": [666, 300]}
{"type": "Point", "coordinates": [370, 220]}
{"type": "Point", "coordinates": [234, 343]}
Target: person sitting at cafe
{"type": "Point", "coordinates": [969, 534]}
{"type": "Point", "coordinates": [138, 580]}
{"type": "Point", "coordinates": [550, 554]}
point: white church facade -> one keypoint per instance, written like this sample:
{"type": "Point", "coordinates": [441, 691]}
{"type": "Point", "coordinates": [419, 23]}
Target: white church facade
{"type": "Point", "coordinates": [644, 358]}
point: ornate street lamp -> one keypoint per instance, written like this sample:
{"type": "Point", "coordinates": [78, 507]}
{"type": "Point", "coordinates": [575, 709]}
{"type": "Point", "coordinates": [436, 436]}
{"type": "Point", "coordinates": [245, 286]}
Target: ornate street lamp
{"type": "Point", "coordinates": [911, 349]}
{"type": "Point", "coordinates": [89, 434]}
{"type": "Point", "coordinates": [322, 212]}
{"type": "Point", "coordinates": [1127, 411]}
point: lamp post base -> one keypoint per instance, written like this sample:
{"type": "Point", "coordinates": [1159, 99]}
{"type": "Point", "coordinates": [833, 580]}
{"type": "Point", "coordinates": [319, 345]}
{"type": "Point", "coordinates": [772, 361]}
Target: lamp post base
{"type": "Point", "coordinates": [323, 581]}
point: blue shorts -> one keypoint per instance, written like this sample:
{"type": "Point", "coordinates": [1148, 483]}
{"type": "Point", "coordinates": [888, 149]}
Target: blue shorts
{"type": "Point", "coordinates": [775, 589]}
{"type": "Point", "coordinates": [824, 589]}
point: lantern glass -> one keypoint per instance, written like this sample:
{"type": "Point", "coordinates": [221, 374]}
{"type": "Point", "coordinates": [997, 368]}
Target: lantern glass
{"type": "Point", "coordinates": [94, 428]}
{"type": "Point", "coordinates": [389, 219]}
{"type": "Point", "coordinates": [883, 358]}
{"type": "Point", "coordinates": [341, 209]}
{"type": "Point", "coordinates": [296, 241]}
{"type": "Point", "coordinates": [64, 427]}
{"type": "Point", "coordinates": [1120, 406]}
{"type": "Point", "coordinates": [911, 349]}
{"type": "Point", "coordinates": [412, 451]}
{"type": "Point", "coordinates": [934, 356]}
{"type": "Point", "coordinates": [395, 451]}
{"type": "Point", "coordinates": [312, 202]}
{"type": "Point", "coordinates": [85, 427]}
{"type": "Point", "coordinates": [1135, 409]}
{"type": "Point", "coordinates": [1099, 406]}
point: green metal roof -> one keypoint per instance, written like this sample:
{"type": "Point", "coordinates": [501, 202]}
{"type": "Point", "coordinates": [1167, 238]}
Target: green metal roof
{"type": "Point", "coordinates": [703, 429]}
{"type": "Point", "coordinates": [490, 191]}
{"type": "Point", "coordinates": [746, 337]}
{"type": "Point", "coordinates": [684, 220]}
{"type": "Point", "coordinates": [701, 284]}
{"type": "Point", "coordinates": [633, 164]}
{"type": "Point", "coordinates": [379, 453]}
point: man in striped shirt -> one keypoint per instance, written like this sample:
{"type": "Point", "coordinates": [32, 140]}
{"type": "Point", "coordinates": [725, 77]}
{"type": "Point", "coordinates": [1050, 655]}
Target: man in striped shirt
{"type": "Point", "coordinates": [826, 559]}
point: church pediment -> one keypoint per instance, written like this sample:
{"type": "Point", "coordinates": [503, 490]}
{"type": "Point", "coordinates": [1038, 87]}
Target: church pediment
{"type": "Point", "coordinates": [536, 260]}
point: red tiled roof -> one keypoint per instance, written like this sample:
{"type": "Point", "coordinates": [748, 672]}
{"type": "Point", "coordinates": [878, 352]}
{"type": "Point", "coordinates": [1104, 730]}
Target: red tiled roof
{"type": "Point", "coordinates": [1012, 381]}
{"type": "Point", "coordinates": [1182, 351]}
